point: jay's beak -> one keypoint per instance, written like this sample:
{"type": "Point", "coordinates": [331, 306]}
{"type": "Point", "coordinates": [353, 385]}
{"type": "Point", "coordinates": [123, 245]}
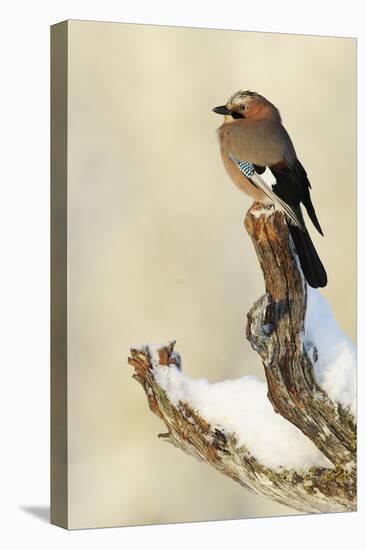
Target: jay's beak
{"type": "Point", "coordinates": [222, 110]}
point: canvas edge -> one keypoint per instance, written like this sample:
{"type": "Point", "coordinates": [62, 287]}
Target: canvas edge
{"type": "Point", "coordinates": [58, 436]}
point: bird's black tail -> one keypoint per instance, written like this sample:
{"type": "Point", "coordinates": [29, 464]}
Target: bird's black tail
{"type": "Point", "coordinates": [310, 262]}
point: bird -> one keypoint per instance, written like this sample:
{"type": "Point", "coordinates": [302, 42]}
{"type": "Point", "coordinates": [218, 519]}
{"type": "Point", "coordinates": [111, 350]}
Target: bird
{"type": "Point", "coordinates": [253, 139]}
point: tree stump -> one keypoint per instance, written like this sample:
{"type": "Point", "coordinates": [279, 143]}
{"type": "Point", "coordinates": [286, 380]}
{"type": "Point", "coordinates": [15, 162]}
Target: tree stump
{"type": "Point", "coordinates": [275, 329]}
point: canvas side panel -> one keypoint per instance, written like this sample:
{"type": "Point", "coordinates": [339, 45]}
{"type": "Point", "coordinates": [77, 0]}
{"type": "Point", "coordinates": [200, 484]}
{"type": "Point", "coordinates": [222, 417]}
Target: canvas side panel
{"type": "Point", "coordinates": [59, 477]}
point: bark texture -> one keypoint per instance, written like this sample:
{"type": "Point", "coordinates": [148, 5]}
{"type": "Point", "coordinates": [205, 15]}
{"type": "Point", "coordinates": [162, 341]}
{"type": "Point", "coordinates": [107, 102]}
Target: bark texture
{"type": "Point", "coordinates": [274, 328]}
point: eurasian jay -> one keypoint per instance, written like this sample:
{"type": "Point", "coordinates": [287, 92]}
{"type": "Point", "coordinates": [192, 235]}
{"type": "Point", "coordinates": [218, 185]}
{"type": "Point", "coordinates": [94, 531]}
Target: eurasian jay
{"type": "Point", "coordinates": [253, 138]}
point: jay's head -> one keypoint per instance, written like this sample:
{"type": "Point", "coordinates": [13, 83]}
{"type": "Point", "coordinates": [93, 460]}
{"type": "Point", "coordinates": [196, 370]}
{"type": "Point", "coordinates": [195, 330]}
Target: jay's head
{"type": "Point", "coordinates": [248, 105]}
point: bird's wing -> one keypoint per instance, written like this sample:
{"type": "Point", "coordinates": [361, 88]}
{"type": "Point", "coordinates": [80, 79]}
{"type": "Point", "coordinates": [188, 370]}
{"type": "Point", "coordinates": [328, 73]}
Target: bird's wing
{"type": "Point", "coordinates": [292, 183]}
{"type": "Point", "coordinates": [293, 186]}
{"type": "Point", "coordinates": [259, 169]}
{"type": "Point", "coordinates": [248, 170]}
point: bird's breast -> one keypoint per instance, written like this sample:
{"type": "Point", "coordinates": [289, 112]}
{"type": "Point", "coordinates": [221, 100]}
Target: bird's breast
{"type": "Point", "coordinates": [233, 171]}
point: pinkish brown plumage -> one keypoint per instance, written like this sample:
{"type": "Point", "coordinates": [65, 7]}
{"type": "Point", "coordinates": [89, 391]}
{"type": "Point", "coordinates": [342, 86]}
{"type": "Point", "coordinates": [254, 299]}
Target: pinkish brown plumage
{"type": "Point", "coordinates": [252, 132]}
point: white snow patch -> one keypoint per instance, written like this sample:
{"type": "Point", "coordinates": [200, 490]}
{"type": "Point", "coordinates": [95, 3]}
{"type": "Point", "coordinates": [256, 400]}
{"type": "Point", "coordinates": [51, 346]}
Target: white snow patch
{"type": "Point", "coordinates": [154, 354]}
{"type": "Point", "coordinates": [241, 407]}
{"type": "Point", "coordinates": [335, 367]}
{"type": "Point", "coordinates": [258, 212]}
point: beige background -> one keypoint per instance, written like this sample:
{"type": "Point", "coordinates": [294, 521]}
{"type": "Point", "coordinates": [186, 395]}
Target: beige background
{"type": "Point", "coordinates": [157, 248]}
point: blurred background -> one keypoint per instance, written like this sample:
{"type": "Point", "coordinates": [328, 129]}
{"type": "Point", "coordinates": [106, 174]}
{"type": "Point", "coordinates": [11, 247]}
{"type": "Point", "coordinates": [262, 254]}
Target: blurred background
{"type": "Point", "coordinates": [157, 248]}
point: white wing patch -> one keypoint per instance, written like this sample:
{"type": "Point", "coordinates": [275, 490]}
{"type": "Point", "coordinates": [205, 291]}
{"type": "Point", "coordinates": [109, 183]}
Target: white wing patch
{"type": "Point", "coordinates": [269, 177]}
{"type": "Point", "coordinates": [247, 169]}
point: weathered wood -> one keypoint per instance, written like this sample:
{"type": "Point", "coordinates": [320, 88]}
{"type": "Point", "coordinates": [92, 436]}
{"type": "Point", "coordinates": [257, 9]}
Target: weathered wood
{"type": "Point", "coordinates": [316, 490]}
{"type": "Point", "coordinates": [275, 329]}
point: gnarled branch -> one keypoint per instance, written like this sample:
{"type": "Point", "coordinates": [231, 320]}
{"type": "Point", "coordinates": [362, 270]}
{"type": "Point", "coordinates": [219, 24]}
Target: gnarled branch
{"type": "Point", "coordinates": [275, 329]}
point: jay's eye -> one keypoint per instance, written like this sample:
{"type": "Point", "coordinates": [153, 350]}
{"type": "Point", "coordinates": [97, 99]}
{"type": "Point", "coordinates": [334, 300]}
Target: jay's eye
{"type": "Point", "coordinates": [241, 107]}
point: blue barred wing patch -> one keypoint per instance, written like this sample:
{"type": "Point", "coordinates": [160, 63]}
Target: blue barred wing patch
{"type": "Point", "coordinates": [247, 168]}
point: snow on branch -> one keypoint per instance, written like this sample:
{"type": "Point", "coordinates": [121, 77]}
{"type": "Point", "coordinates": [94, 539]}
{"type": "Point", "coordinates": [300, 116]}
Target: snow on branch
{"type": "Point", "coordinates": [294, 438]}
